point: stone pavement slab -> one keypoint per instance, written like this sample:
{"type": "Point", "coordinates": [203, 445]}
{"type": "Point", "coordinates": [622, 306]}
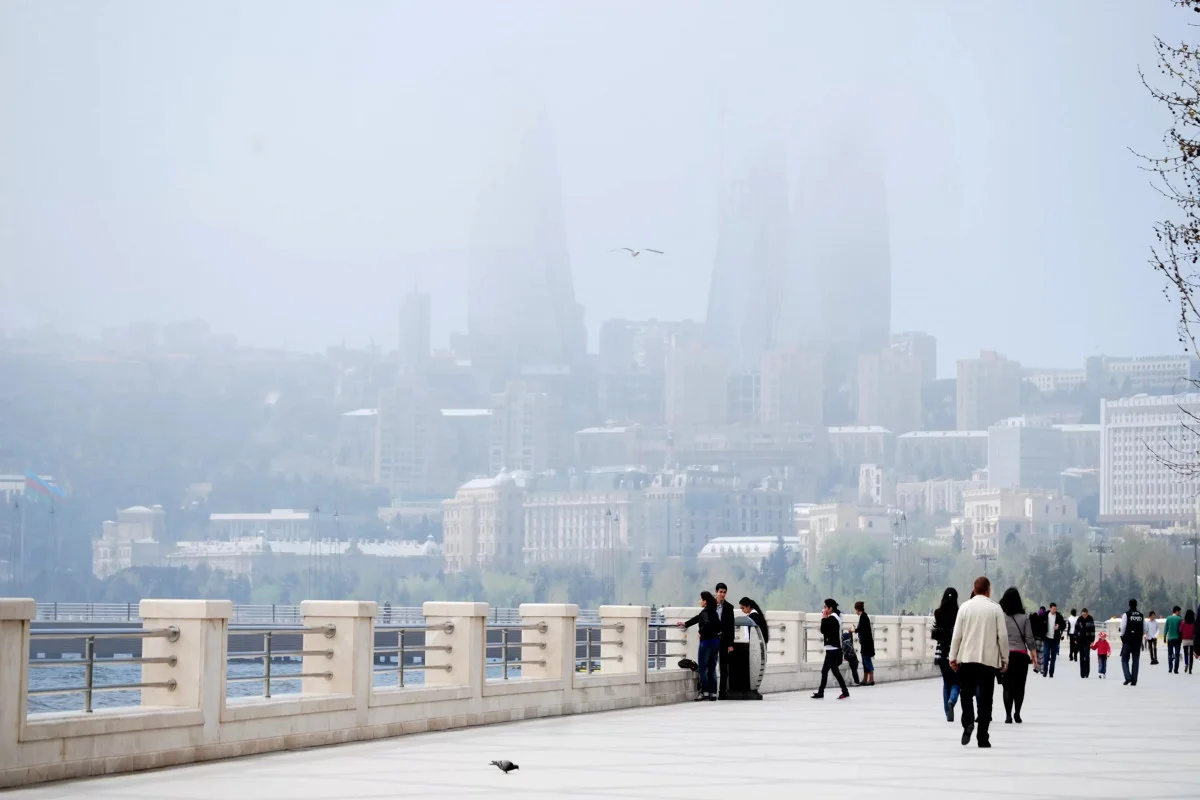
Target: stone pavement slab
{"type": "Point", "coordinates": [888, 742]}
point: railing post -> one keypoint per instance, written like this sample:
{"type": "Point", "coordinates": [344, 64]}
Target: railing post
{"type": "Point", "coordinates": [555, 645]}
{"type": "Point", "coordinates": [814, 644]}
{"type": "Point", "coordinates": [691, 643]}
{"type": "Point", "coordinates": [625, 651]}
{"type": "Point", "coordinates": [15, 615]}
{"type": "Point", "coordinates": [89, 671]}
{"type": "Point", "coordinates": [463, 664]}
{"type": "Point", "coordinates": [787, 638]}
{"type": "Point", "coordinates": [199, 656]}
{"type": "Point", "coordinates": [352, 649]}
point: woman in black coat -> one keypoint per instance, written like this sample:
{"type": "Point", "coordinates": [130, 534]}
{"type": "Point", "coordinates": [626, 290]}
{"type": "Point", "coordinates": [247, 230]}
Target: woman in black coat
{"type": "Point", "coordinates": [831, 638]}
{"type": "Point", "coordinates": [709, 628]}
{"type": "Point", "coordinates": [866, 643]}
{"type": "Point", "coordinates": [943, 631]}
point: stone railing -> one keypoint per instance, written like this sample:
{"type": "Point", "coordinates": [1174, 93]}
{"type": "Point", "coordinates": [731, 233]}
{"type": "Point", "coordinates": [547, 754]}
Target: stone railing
{"type": "Point", "coordinates": [185, 715]}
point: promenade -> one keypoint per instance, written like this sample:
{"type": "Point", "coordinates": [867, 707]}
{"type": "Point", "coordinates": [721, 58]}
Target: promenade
{"type": "Point", "coordinates": [1078, 741]}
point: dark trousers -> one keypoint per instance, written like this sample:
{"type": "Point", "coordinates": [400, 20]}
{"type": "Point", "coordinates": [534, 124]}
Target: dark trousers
{"type": "Point", "coordinates": [1074, 648]}
{"type": "Point", "coordinates": [1131, 654]}
{"type": "Point", "coordinates": [1085, 661]}
{"type": "Point", "coordinates": [1173, 646]}
{"type": "Point", "coordinates": [723, 658]}
{"type": "Point", "coordinates": [706, 661]}
{"type": "Point", "coordinates": [1153, 644]}
{"type": "Point", "coordinates": [1014, 683]}
{"type": "Point", "coordinates": [833, 660]}
{"type": "Point", "coordinates": [976, 679]}
{"type": "Point", "coordinates": [853, 664]}
{"type": "Point", "coordinates": [1049, 656]}
{"type": "Point", "coordinates": [1187, 657]}
{"type": "Point", "coordinates": [1102, 664]}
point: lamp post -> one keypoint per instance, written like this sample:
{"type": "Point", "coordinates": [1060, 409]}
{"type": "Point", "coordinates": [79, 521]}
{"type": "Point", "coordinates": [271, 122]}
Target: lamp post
{"type": "Point", "coordinates": [833, 569]}
{"type": "Point", "coordinates": [1099, 548]}
{"type": "Point", "coordinates": [1194, 543]}
{"type": "Point", "coordinates": [985, 557]}
{"type": "Point", "coordinates": [899, 541]}
{"type": "Point", "coordinates": [882, 563]}
{"type": "Point", "coordinates": [929, 561]}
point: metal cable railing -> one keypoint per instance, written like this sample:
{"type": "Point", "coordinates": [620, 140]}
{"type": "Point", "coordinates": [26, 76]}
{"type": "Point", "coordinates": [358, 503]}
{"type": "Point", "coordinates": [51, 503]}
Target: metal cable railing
{"type": "Point", "coordinates": [89, 662]}
{"type": "Point", "coordinates": [592, 640]}
{"type": "Point", "coordinates": [664, 648]}
{"type": "Point", "coordinates": [270, 652]}
{"type": "Point", "coordinates": [402, 649]}
{"type": "Point", "coordinates": [506, 644]}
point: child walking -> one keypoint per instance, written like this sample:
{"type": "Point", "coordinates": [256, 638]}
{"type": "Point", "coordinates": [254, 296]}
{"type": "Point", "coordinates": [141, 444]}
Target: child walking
{"type": "Point", "coordinates": [1103, 650]}
{"type": "Point", "coordinates": [850, 656]}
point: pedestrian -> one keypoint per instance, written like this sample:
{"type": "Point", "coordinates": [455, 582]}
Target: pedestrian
{"type": "Point", "coordinates": [1085, 634]}
{"type": "Point", "coordinates": [1072, 641]}
{"type": "Point", "coordinates": [978, 654]}
{"type": "Point", "coordinates": [387, 612]}
{"type": "Point", "coordinates": [866, 643]}
{"type": "Point", "coordinates": [1187, 631]}
{"type": "Point", "coordinates": [942, 632]}
{"type": "Point", "coordinates": [849, 655]}
{"type": "Point", "coordinates": [1103, 650]}
{"type": "Point", "coordinates": [709, 630]}
{"type": "Point", "coordinates": [1055, 625]}
{"type": "Point", "coordinates": [1174, 639]}
{"type": "Point", "coordinates": [1132, 630]}
{"type": "Point", "coordinates": [1021, 654]}
{"type": "Point", "coordinates": [1151, 636]}
{"type": "Point", "coordinates": [1038, 623]}
{"type": "Point", "coordinates": [756, 615]}
{"type": "Point", "coordinates": [831, 636]}
{"type": "Point", "coordinates": [725, 617]}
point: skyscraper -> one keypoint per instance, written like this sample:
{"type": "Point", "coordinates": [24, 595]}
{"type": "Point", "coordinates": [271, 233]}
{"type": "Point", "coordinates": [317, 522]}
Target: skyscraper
{"type": "Point", "coordinates": [752, 254]}
{"type": "Point", "coordinates": [520, 297]}
{"type": "Point", "coordinates": [840, 271]}
{"type": "Point", "coordinates": [414, 332]}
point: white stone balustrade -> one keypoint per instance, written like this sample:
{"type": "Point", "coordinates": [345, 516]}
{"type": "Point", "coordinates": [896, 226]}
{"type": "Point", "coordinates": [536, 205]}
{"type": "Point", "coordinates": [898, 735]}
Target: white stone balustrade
{"type": "Point", "coordinates": [187, 717]}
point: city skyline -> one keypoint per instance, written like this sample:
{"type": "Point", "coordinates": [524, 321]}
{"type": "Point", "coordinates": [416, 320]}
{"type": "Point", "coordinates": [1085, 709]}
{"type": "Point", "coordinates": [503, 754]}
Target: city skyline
{"type": "Point", "coordinates": [292, 193]}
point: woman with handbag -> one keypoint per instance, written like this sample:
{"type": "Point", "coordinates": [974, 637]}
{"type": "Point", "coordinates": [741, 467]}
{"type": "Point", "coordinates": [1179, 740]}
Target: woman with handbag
{"type": "Point", "coordinates": [1021, 656]}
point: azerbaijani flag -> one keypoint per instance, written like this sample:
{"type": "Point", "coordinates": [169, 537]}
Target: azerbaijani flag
{"type": "Point", "coordinates": [44, 488]}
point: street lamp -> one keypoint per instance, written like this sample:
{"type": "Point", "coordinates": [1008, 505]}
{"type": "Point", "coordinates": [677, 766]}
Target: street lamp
{"type": "Point", "coordinates": [929, 561]}
{"type": "Point", "coordinates": [1100, 549]}
{"type": "Point", "coordinates": [985, 557]}
{"type": "Point", "coordinates": [833, 569]}
{"type": "Point", "coordinates": [1194, 543]}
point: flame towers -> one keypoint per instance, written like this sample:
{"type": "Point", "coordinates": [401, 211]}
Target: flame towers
{"type": "Point", "coordinates": [521, 299]}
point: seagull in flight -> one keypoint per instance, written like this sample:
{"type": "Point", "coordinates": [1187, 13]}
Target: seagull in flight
{"type": "Point", "coordinates": [636, 253]}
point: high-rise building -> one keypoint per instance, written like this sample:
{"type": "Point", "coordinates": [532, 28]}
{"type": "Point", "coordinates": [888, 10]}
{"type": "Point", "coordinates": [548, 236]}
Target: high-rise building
{"type": "Point", "coordinates": [618, 346]}
{"type": "Point", "coordinates": [521, 298]}
{"type": "Point", "coordinates": [989, 390]}
{"type": "Point", "coordinates": [752, 255]}
{"type": "Point", "coordinates": [527, 430]}
{"type": "Point", "coordinates": [889, 390]}
{"type": "Point", "coordinates": [793, 388]}
{"type": "Point", "coordinates": [1025, 453]}
{"type": "Point", "coordinates": [406, 438]}
{"type": "Point", "coordinates": [696, 388]}
{"type": "Point", "coordinates": [1148, 452]}
{"type": "Point", "coordinates": [923, 347]}
{"type": "Point", "coordinates": [1176, 373]}
{"type": "Point", "coordinates": [837, 291]}
{"type": "Point", "coordinates": [414, 333]}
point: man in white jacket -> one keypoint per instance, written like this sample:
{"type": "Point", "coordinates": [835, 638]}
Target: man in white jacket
{"type": "Point", "coordinates": [978, 653]}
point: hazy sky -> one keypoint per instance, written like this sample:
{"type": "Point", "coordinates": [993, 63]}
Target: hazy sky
{"type": "Point", "coordinates": [287, 169]}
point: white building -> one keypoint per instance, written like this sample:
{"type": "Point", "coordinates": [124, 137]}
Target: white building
{"type": "Point", "coordinates": [1081, 444]}
{"type": "Point", "coordinates": [850, 446]}
{"type": "Point", "coordinates": [829, 519]}
{"type": "Point", "coordinates": [792, 386]}
{"type": "Point", "coordinates": [939, 496]}
{"type": "Point", "coordinates": [598, 528]}
{"type": "Point", "coordinates": [1025, 453]}
{"type": "Point", "coordinates": [1140, 438]}
{"type": "Point", "coordinates": [483, 526]}
{"type": "Point", "coordinates": [135, 539]}
{"type": "Point", "coordinates": [889, 390]}
{"type": "Point", "coordinates": [754, 549]}
{"type": "Point", "coordinates": [278, 523]}
{"type": "Point", "coordinates": [998, 518]}
{"type": "Point", "coordinates": [1177, 373]}
{"type": "Point", "coordinates": [526, 430]}
{"type": "Point", "coordinates": [1056, 381]}
{"type": "Point", "coordinates": [876, 485]}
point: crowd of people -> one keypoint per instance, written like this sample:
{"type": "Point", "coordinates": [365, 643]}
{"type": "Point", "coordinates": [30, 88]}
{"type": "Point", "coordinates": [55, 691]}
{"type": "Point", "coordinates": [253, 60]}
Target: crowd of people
{"type": "Point", "coordinates": [982, 643]}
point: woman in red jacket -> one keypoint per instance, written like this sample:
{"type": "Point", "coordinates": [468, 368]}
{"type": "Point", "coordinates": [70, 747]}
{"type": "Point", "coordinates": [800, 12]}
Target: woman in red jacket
{"type": "Point", "coordinates": [1187, 630]}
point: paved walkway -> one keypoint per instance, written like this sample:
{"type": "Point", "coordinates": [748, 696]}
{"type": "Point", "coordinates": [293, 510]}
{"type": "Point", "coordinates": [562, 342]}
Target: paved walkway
{"type": "Point", "coordinates": [889, 742]}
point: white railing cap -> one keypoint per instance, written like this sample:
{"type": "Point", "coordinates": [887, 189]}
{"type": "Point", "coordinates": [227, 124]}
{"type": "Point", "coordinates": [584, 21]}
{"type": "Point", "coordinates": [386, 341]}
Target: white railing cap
{"type": "Point", "coordinates": [185, 609]}
{"type": "Point", "coordinates": [18, 608]}
{"type": "Point", "coordinates": [338, 608]}
{"type": "Point", "coordinates": [443, 608]}
{"type": "Point", "coordinates": [625, 612]}
{"type": "Point", "coordinates": [548, 610]}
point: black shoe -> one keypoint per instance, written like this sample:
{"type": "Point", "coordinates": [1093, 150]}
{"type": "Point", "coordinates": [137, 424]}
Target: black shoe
{"type": "Point", "coordinates": [985, 743]}
{"type": "Point", "coordinates": [1008, 720]}
{"type": "Point", "coordinates": [818, 695]}
{"type": "Point", "coordinates": [844, 696]}
{"type": "Point", "coordinates": [1126, 683]}
{"type": "Point", "coordinates": [1017, 718]}
{"type": "Point", "coordinates": [712, 698]}
{"type": "Point", "coordinates": [966, 737]}
{"type": "Point", "coordinates": [949, 715]}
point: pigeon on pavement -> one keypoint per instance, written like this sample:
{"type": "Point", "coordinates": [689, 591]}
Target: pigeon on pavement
{"type": "Point", "coordinates": [505, 766]}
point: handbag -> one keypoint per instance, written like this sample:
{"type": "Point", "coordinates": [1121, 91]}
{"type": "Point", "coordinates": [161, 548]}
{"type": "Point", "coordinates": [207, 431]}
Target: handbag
{"type": "Point", "coordinates": [1028, 649]}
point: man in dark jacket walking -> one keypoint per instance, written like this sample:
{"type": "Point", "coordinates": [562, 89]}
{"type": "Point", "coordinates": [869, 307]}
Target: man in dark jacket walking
{"type": "Point", "coordinates": [1085, 634]}
{"type": "Point", "coordinates": [725, 616]}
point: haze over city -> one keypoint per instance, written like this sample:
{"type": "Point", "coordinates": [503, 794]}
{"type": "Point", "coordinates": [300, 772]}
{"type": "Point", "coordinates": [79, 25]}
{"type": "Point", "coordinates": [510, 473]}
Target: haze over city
{"type": "Point", "coordinates": [288, 172]}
